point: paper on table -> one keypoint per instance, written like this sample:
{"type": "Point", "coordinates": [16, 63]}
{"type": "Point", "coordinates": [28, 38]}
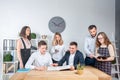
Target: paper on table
{"type": "Point", "coordinates": [58, 68]}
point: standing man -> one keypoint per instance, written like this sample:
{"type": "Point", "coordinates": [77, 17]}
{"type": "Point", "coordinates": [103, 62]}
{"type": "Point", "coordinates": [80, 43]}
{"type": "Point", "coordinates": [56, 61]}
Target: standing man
{"type": "Point", "coordinates": [89, 46]}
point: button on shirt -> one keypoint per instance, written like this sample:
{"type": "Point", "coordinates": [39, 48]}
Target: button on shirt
{"type": "Point", "coordinates": [71, 59]}
{"type": "Point", "coordinates": [89, 46]}
{"type": "Point", "coordinates": [37, 59]}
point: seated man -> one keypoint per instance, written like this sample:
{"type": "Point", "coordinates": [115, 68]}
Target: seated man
{"type": "Point", "coordinates": [40, 59]}
{"type": "Point", "coordinates": [73, 57]}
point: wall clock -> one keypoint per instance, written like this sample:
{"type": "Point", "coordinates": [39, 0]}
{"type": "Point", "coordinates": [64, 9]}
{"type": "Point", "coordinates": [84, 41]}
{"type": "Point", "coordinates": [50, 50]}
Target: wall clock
{"type": "Point", "coordinates": [57, 24]}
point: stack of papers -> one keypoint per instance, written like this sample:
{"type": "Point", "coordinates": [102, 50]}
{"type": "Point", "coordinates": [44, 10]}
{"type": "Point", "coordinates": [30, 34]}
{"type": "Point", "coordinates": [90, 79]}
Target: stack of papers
{"type": "Point", "coordinates": [58, 68]}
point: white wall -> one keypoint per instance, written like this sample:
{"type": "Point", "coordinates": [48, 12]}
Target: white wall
{"type": "Point", "coordinates": [78, 15]}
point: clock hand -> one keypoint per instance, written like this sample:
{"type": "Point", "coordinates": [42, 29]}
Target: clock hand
{"type": "Point", "coordinates": [54, 23]}
{"type": "Point", "coordinates": [60, 23]}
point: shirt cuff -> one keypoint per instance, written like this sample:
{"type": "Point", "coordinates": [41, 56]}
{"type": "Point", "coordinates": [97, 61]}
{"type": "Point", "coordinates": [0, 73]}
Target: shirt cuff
{"type": "Point", "coordinates": [32, 67]}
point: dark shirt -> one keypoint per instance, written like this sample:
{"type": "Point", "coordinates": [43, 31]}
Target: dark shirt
{"type": "Point", "coordinates": [78, 59]}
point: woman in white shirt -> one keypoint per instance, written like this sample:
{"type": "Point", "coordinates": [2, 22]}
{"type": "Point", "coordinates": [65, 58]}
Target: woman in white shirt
{"type": "Point", "coordinates": [58, 49]}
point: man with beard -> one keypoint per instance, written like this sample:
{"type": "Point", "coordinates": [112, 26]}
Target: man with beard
{"type": "Point", "coordinates": [89, 46]}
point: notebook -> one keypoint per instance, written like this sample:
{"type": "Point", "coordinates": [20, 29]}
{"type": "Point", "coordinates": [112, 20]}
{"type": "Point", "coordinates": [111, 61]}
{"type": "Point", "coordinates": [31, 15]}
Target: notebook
{"type": "Point", "coordinates": [58, 68]}
{"type": "Point", "coordinates": [103, 57]}
{"type": "Point", "coordinates": [23, 70]}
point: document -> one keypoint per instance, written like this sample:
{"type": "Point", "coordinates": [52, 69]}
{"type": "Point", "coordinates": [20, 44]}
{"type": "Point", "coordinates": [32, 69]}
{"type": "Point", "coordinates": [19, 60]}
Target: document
{"type": "Point", "coordinates": [58, 68]}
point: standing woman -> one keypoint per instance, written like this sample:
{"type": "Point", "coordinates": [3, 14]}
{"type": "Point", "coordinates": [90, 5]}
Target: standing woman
{"type": "Point", "coordinates": [23, 46]}
{"type": "Point", "coordinates": [105, 51]}
{"type": "Point", "coordinates": [58, 49]}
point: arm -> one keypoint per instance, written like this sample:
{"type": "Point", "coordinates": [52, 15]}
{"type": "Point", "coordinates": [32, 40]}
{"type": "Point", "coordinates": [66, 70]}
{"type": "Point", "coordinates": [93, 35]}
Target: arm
{"type": "Point", "coordinates": [30, 62]}
{"type": "Point", "coordinates": [87, 51]}
{"type": "Point", "coordinates": [81, 59]}
{"type": "Point", "coordinates": [50, 61]}
{"type": "Point", "coordinates": [64, 49]}
{"type": "Point", "coordinates": [52, 51]}
{"type": "Point", "coordinates": [111, 52]}
{"type": "Point", "coordinates": [60, 63]}
{"type": "Point", "coordinates": [19, 53]}
{"type": "Point", "coordinates": [96, 52]}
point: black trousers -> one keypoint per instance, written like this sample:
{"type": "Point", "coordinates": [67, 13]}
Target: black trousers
{"type": "Point", "coordinates": [90, 61]}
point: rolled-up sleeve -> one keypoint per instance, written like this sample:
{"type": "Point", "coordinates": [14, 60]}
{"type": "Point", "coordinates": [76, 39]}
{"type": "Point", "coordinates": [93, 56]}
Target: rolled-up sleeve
{"type": "Point", "coordinates": [30, 62]}
{"type": "Point", "coordinates": [86, 47]}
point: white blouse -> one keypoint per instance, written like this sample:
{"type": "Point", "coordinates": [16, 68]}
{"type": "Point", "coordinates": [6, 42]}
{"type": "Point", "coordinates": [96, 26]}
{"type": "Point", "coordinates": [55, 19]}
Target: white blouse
{"type": "Point", "coordinates": [27, 43]}
{"type": "Point", "coordinates": [60, 52]}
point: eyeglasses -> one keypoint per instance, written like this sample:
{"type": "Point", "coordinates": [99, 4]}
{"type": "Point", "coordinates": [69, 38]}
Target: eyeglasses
{"type": "Point", "coordinates": [100, 38]}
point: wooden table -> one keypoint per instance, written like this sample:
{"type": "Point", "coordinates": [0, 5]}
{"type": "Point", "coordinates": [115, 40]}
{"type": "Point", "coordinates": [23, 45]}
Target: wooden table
{"type": "Point", "coordinates": [90, 73]}
{"type": "Point", "coordinates": [101, 75]}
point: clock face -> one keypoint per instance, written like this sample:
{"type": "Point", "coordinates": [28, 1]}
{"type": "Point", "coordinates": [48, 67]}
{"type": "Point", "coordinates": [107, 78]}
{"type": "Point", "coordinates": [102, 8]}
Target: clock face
{"type": "Point", "coordinates": [56, 24]}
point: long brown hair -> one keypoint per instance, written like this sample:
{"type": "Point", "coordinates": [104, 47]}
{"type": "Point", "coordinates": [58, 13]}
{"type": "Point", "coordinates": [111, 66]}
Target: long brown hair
{"type": "Point", "coordinates": [55, 42]}
{"type": "Point", "coordinates": [106, 39]}
{"type": "Point", "coordinates": [23, 32]}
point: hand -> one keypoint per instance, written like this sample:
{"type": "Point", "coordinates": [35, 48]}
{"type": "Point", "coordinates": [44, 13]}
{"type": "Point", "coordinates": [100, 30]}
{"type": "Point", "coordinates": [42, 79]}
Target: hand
{"type": "Point", "coordinates": [95, 57]}
{"type": "Point", "coordinates": [21, 65]}
{"type": "Point", "coordinates": [99, 59]}
{"type": "Point", "coordinates": [91, 56]}
{"type": "Point", "coordinates": [55, 64]}
{"type": "Point", "coordinates": [42, 68]}
{"type": "Point", "coordinates": [56, 50]}
{"type": "Point", "coordinates": [72, 68]}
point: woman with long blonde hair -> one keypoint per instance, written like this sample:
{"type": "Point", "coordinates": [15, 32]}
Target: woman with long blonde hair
{"type": "Point", "coordinates": [58, 49]}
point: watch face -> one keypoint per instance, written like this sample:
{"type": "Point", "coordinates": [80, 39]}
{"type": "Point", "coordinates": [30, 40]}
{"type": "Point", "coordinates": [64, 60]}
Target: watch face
{"type": "Point", "coordinates": [56, 24]}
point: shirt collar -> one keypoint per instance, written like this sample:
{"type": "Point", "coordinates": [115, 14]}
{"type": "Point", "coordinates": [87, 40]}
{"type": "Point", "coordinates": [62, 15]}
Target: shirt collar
{"type": "Point", "coordinates": [73, 53]}
{"type": "Point", "coordinates": [40, 53]}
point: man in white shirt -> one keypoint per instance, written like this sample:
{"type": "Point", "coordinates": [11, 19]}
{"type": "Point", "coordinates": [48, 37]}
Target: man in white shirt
{"type": "Point", "coordinates": [89, 46]}
{"type": "Point", "coordinates": [40, 59]}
